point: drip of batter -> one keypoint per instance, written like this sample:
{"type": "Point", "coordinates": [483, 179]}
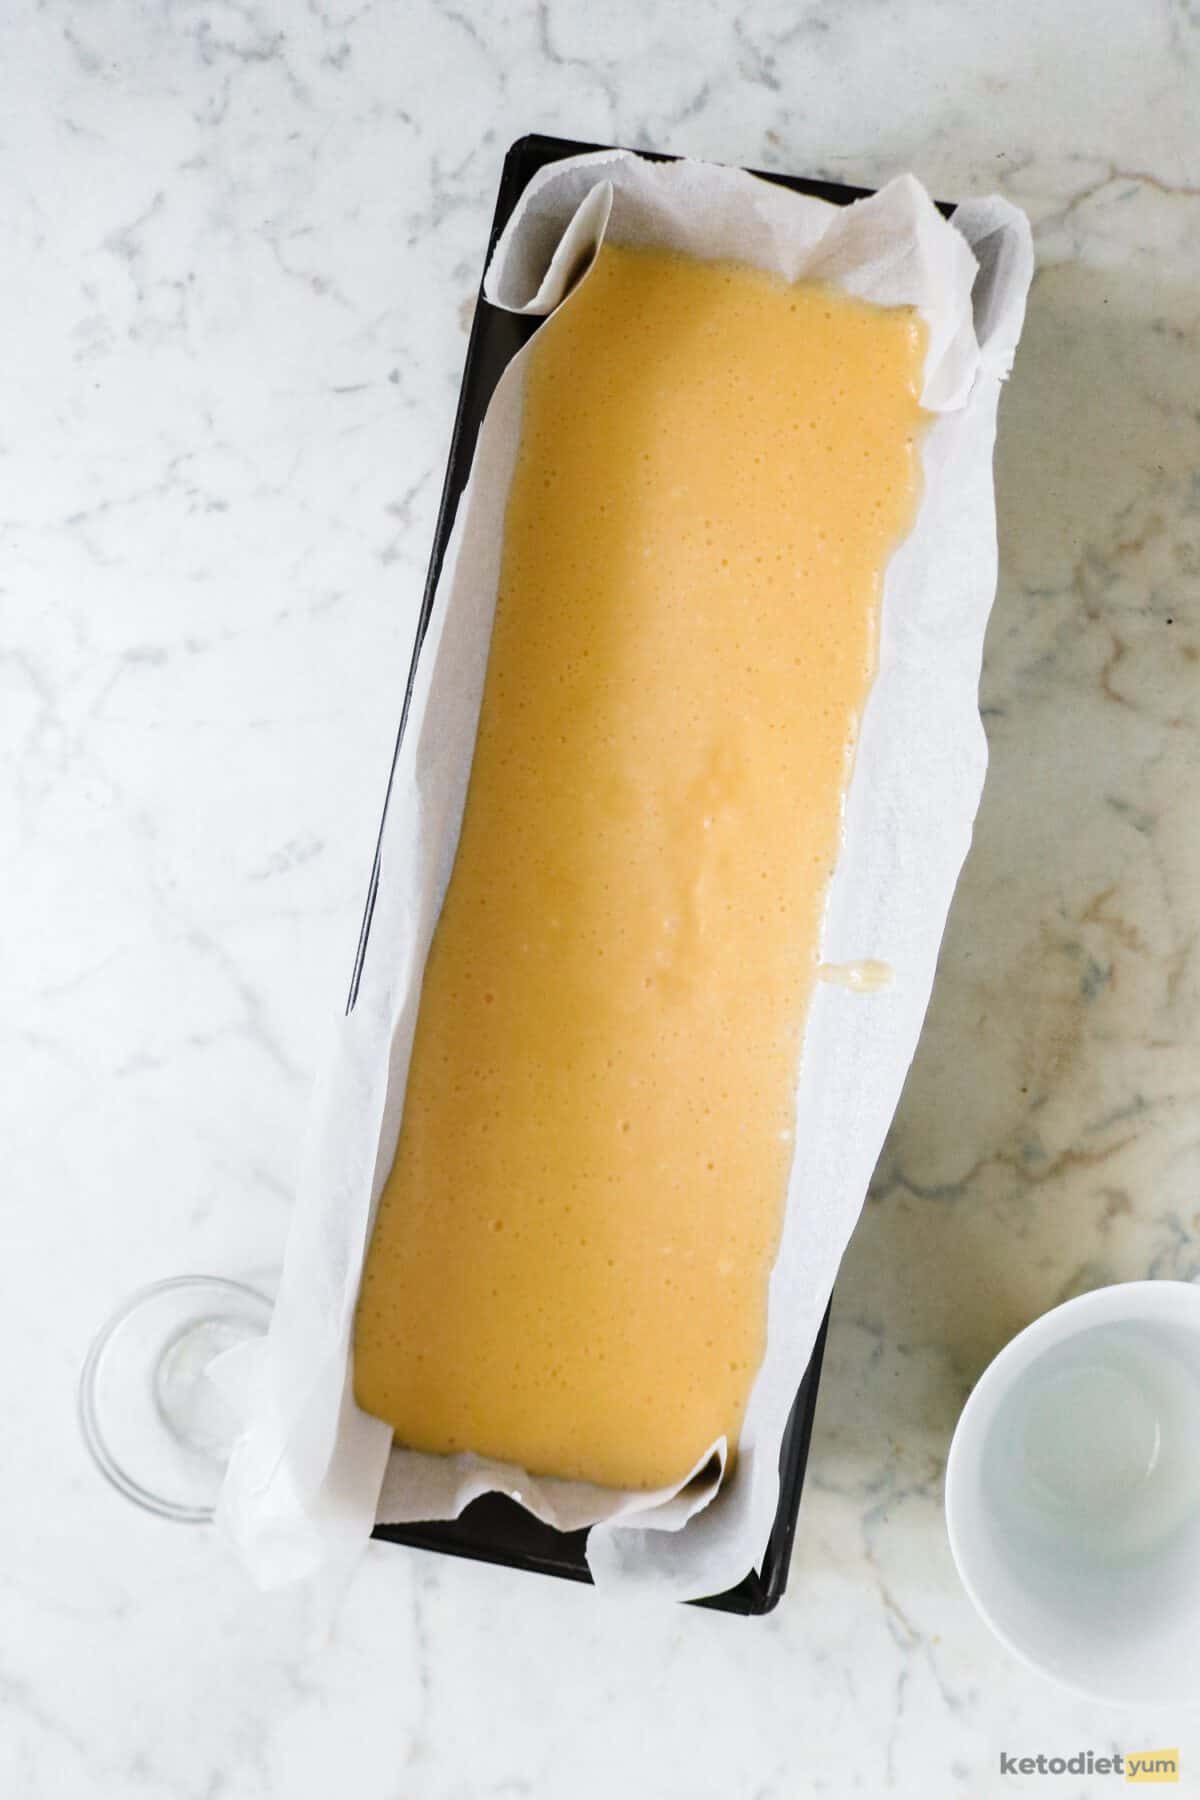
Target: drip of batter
{"type": "Point", "coordinates": [570, 1261]}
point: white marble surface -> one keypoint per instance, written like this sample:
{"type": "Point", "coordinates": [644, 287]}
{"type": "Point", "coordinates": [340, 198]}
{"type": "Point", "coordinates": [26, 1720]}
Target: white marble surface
{"type": "Point", "coordinates": [240, 246]}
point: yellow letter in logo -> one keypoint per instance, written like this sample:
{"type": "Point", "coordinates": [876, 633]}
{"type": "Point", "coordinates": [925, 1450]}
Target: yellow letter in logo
{"type": "Point", "coordinates": [1152, 1765]}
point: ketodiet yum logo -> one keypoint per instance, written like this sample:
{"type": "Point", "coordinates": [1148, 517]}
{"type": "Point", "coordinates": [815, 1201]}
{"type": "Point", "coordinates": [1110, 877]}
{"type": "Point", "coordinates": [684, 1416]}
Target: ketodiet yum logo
{"type": "Point", "coordinates": [1140, 1765]}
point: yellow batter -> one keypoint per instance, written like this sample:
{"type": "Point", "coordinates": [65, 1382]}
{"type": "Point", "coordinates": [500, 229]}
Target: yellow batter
{"type": "Point", "coordinates": [569, 1267]}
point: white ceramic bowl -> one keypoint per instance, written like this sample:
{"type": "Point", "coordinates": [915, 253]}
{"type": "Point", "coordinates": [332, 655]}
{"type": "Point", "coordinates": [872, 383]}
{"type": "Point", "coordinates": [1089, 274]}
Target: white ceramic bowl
{"type": "Point", "coordinates": [1073, 1494]}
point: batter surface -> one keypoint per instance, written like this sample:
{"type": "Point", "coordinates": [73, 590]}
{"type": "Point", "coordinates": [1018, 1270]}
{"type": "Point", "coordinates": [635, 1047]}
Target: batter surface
{"type": "Point", "coordinates": [570, 1262]}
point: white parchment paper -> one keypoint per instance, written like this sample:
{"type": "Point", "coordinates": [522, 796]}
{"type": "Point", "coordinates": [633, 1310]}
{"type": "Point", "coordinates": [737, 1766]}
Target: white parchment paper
{"type": "Point", "coordinates": [312, 1473]}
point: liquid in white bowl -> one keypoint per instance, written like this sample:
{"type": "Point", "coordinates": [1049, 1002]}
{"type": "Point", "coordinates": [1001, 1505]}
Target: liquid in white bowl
{"type": "Point", "coordinates": [1095, 1455]}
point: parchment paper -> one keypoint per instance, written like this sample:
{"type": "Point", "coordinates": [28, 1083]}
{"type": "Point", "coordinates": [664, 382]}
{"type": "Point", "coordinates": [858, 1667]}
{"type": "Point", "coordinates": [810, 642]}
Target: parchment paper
{"type": "Point", "coordinates": [312, 1473]}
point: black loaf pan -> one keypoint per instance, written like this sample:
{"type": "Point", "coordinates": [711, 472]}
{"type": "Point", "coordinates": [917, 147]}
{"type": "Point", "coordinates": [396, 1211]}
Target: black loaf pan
{"type": "Point", "coordinates": [495, 1529]}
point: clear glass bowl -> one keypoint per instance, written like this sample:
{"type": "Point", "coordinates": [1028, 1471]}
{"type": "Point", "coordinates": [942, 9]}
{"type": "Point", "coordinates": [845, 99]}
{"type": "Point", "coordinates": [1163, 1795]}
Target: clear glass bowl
{"type": "Point", "coordinates": [156, 1425]}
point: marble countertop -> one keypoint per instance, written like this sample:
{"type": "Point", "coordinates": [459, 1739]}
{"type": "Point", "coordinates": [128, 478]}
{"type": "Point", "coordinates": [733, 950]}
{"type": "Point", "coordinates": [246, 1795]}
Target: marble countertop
{"type": "Point", "coordinates": [241, 245]}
